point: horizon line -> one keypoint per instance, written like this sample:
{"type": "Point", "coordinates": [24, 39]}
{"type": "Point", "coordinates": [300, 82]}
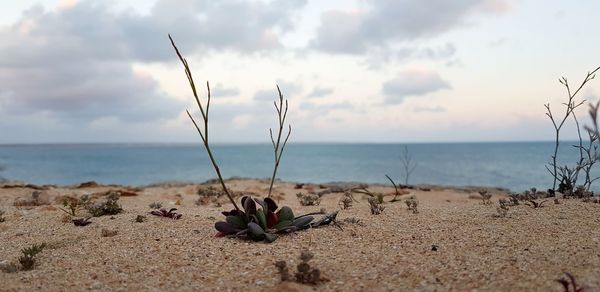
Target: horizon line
{"type": "Point", "coordinates": [268, 143]}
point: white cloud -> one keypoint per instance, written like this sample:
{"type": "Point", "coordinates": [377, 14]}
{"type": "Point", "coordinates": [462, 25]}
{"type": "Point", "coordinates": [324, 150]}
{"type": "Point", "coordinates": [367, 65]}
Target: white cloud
{"type": "Point", "coordinates": [413, 82]}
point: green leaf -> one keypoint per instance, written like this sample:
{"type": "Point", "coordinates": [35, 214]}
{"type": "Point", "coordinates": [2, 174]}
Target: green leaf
{"type": "Point", "coordinates": [236, 221]}
{"type": "Point", "coordinates": [282, 224]}
{"type": "Point", "coordinates": [262, 219]}
{"type": "Point", "coordinates": [255, 230]}
{"type": "Point", "coordinates": [270, 237]}
{"type": "Point", "coordinates": [286, 214]}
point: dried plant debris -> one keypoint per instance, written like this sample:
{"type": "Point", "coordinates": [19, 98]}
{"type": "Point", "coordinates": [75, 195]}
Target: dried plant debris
{"type": "Point", "coordinates": [2, 219]}
{"type": "Point", "coordinates": [109, 207]}
{"type": "Point", "coordinates": [168, 214]}
{"type": "Point", "coordinates": [38, 198]}
{"type": "Point", "coordinates": [108, 232]}
{"type": "Point", "coordinates": [155, 205]}
{"type": "Point", "coordinates": [346, 200]}
{"type": "Point", "coordinates": [308, 199]}
{"type": "Point", "coordinates": [140, 218]}
{"type": "Point", "coordinates": [486, 197]}
{"type": "Point", "coordinates": [535, 204]}
{"type": "Point", "coordinates": [412, 203]}
{"type": "Point", "coordinates": [569, 284]}
{"type": "Point", "coordinates": [326, 220]}
{"type": "Point", "coordinates": [503, 207]}
{"type": "Point", "coordinates": [396, 190]}
{"type": "Point", "coordinates": [375, 206]}
{"type": "Point", "coordinates": [305, 274]}
{"type": "Point", "coordinates": [27, 260]}
{"type": "Point", "coordinates": [82, 221]}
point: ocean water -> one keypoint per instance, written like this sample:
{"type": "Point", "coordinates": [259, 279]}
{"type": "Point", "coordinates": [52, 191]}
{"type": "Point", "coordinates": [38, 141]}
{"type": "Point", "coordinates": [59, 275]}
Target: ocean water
{"type": "Point", "coordinates": [516, 166]}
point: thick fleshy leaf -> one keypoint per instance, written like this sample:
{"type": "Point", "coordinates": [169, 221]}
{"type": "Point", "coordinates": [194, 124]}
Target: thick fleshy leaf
{"type": "Point", "coordinates": [236, 221]}
{"type": "Point", "coordinates": [325, 220]}
{"type": "Point", "coordinates": [255, 230]}
{"type": "Point", "coordinates": [271, 205]}
{"type": "Point", "coordinates": [249, 206]}
{"type": "Point", "coordinates": [262, 219]}
{"type": "Point", "coordinates": [286, 214]}
{"type": "Point", "coordinates": [272, 219]}
{"type": "Point", "coordinates": [303, 222]}
{"type": "Point", "coordinates": [263, 205]}
{"type": "Point", "coordinates": [233, 212]}
{"type": "Point", "coordinates": [225, 227]}
{"type": "Point", "coordinates": [287, 229]}
{"type": "Point", "coordinates": [282, 224]}
{"type": "Point", "coordinates": [270, 237]}
{"type": "Point", "coordinates": [242, 233]}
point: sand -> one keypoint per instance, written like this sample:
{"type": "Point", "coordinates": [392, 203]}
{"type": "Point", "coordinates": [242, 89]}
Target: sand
{"type": "Point", "coordinates": [475, 249]}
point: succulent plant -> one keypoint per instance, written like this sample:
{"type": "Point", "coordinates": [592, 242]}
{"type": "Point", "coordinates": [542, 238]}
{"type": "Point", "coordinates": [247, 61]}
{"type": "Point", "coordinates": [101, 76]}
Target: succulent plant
{"type": "Point", "coordinates": [261, 222]}
{"type": "Point", "coordinates": [162, 212]}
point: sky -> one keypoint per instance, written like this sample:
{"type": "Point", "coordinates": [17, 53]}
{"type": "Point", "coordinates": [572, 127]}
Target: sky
{"type": "Point", "coordinates": [385, 71]}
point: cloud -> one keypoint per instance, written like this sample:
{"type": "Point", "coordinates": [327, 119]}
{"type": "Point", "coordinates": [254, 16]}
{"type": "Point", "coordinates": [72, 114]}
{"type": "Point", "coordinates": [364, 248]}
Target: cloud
{"type": "Point", "coordinates": [75, 63]}
{"type": "Point", "coordinates": [323, 109]}
{"type": "Point", "coordinates": [391, 21]}
{"type": "Point", "coordinates": [320, 92]}
{"type": "Point", "coordinates": [84, 91]}
{"type": "Point", "coordinates": [429, 109]}
{"type": "Point", "coordinates": [219, 91]}
{"type": "Point", "coordinates": [383, 56]}
{"type": "Point", "coordinates": [412, 83]}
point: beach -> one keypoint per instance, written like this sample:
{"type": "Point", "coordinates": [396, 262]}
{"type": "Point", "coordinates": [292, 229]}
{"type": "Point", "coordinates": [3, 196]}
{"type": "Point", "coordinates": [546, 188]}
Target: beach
{"type": "Point", "coordinates": [454, 242]}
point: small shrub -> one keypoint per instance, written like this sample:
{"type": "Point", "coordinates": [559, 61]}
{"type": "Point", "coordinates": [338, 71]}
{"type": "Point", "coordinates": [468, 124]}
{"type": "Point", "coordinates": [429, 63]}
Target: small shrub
{"type": "Point", "coordinates": [346, 201]}
{"type": "Point", "coordinates": [308, 199]}
{"type": "Point", "coordinates": [155, 205]}
{"type": "Point", "coordinates": [72, 206]}
{"type": "Point", "coordinates": [108, 207]}
{"type": "Point", "coordinates": [38, 198]}
{"type": "Point", "coordinates": [168, 214]}
{"type": "Point", "coordinates": [535, 205]}
{"type": "Point", "coordinates": [27, 260]}
{"type": "Point", "coordinates": [485, 197]}
{"type": "Point", "coordinates": [412, 203]}
{"type": "Point", "coordinates": [305, 273]}
{"type": "Point", "coordinates": [375, 206]}
{"type": "Point", "coordinates": [140, 218]}
{"type": "Point", "coordinates": [503, 207]}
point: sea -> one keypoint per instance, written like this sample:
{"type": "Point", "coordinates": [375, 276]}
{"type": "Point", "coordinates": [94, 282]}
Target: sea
{"type": "Point", "coordinates": [516, 166]}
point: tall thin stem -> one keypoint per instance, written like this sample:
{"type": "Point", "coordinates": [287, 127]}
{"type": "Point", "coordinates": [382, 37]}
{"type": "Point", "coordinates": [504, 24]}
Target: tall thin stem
{"type": "Point", "coordinates": [204, 113]}
{"type": "Point", "coordinates": [278, 148]}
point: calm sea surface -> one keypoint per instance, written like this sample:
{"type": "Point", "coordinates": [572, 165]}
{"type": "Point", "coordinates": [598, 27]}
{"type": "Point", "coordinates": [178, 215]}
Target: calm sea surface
{"type": "Point", "coordinates": [516, 166]}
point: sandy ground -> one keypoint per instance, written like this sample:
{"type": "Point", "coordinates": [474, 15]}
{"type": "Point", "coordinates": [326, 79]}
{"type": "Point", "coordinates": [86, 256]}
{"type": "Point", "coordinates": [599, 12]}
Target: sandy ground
{"type": "Point", "coordinates": [476, 250]}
